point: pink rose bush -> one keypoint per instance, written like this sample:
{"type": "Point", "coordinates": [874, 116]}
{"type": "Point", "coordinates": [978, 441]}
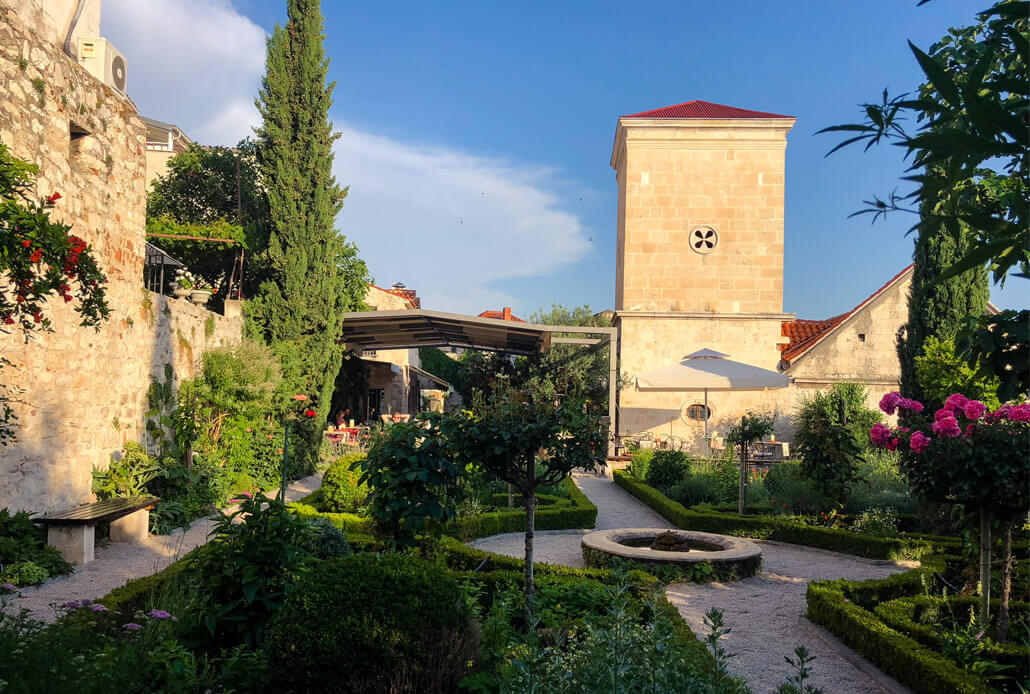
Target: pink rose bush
{"type": "Point", "coordinates": [964, 453]}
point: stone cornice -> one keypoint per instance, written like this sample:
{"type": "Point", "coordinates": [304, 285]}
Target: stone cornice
{"type": "Point", "coordinates": [705, 315]}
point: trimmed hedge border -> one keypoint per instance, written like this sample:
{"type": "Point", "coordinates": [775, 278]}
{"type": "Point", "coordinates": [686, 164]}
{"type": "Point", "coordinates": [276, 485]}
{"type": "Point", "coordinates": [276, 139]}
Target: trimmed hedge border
{"type": "Point", "coordinates": [700, 572]}
{"type": "Point", "coordinates": [903, 658]}
{"type": "Point", "coordinates": [772, 528]}
{"type": "Point", "coordinates": [575, 512]}
{"type": "Point", "coordinates": [902, 614]}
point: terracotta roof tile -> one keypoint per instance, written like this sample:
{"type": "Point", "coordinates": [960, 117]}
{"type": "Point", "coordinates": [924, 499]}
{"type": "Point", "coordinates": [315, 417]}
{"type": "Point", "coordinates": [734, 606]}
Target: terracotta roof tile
{"type": "Point", "coordinates": [504, 314]}
{"type": "Point", "coordinates": [703, 109]}
{"type": "Point", "coordinates": [804, 334]}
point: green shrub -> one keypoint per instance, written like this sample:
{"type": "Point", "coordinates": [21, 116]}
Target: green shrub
{"type": "Point", "coordinates": [341, 491]}
{"type": "Point", "coordinates": [640, 461]}
{"type": "Point", "coordinates": [790, 492]}
{"type": "Point", "coordinates": [327, 541]}
{"type": "Point", "coordinates": [667, 468]}
{"type": "Point", "coordinates": [580, 513]}
{"type": "Point", "coordinates": [695, 489]}
{"type": "Point", "coordinates": [247, 570]}
{"type": "Point", "coordinates": [878, 522]}
{"type": "Point", "coordinates": [880, 484]}
{"type": "Point", "coordinates": [372, 623]}
{"type": "Point", "coordinates": [22, 540]}
{"type": "Point", "coordinates": [24, 573]}
{"type": "Point", "coordinates": [127, 474]}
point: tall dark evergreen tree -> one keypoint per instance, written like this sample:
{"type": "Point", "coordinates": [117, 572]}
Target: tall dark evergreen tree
{"type": "Point", "coordinates": [313, 276]}
{"type": "Point", "coordinates": [937, 309]}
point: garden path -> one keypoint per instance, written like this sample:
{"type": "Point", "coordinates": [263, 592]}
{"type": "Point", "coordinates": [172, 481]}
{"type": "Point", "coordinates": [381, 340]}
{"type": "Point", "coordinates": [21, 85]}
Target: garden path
{"type": "Point", "coordinates": [761, 611]}
{"type": "Point", "coordinates": [116, 563]}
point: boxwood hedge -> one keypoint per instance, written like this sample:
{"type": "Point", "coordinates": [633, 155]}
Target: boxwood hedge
{"type": "Point", "coordinates": [777, 529]}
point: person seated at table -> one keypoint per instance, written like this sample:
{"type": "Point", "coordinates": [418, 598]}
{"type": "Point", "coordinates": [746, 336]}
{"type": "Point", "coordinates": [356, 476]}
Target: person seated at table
{"type": "Point", "coordinates": [341, 417]}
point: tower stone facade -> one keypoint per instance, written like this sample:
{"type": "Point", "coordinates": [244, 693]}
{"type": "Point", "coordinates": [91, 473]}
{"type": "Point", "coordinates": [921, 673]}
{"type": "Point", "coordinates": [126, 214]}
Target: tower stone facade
{"type": "Point", "coordinates": [699, 261]}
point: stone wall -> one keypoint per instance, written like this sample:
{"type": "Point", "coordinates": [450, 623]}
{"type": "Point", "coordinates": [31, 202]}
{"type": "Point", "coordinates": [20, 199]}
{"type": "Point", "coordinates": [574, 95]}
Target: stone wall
{"type": "Point", "coordinates": [82, 392]}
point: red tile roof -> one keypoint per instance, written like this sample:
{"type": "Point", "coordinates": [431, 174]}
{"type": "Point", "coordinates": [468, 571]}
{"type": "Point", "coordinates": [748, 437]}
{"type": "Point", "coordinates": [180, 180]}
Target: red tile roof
{"type": "Point", "coordinates": [703, 109]}
{"type": "Point", "coordinates": [504, 314]}
{"type": "Point", "coordinates": [804, 334]}
{"type": "Point", "coordinates": [409, 295]}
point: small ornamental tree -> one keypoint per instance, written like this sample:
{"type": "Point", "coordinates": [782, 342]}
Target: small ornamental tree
{"type": "Point", "coordinates": [39, 259]}
{"type": "Point", "coordinates": [967, 455]}
{"type": "Point", "coordinates": [527, 443]}
{"type": "Point", "coordinates": [412, 478]}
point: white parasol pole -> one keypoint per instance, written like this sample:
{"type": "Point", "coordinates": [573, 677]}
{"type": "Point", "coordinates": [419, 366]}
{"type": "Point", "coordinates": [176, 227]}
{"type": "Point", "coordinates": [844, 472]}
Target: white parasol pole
{"type": "Point", "coordinates": [708, 449]}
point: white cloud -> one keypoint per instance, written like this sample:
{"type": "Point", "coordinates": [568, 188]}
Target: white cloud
{"type": "Point", "coordinates": [195, 63]}
{"type": "Point", "coordinates": [443, 221]}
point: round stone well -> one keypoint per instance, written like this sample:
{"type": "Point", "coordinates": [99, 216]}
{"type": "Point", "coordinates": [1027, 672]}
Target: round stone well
{"type": "Point", "coordinates": [710, 556]}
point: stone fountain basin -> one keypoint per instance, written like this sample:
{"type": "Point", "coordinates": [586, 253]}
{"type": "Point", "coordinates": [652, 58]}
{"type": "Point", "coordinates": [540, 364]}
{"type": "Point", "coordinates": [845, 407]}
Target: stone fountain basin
{"type": "Point", "coordinates": [620, 543]}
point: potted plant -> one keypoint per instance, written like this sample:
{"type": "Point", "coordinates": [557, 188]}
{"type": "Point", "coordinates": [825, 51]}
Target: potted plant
{"type": "Point", "coordinates": [183, 284]}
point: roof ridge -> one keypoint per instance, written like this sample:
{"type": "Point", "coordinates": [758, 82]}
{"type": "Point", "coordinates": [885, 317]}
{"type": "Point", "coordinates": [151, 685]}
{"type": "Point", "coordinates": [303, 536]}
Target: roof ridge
{"type": "Point", "coordinates": [701, 109]}
{"type": "Point", "coordinates": [808, 339]}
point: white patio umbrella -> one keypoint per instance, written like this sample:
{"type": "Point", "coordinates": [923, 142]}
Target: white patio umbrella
{"type": "Point", "coordinates": [707, 370]}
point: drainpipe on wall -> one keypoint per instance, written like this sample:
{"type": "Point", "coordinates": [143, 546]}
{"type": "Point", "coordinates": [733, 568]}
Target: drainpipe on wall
{"type": "Point", "coordinates": [71, 27]}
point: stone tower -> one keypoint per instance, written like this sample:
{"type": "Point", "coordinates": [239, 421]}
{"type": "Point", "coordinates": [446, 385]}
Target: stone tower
{"type": "Point", "coordinates": [699, 261]}
{"type": "Point", "coordinates": [700, 209]}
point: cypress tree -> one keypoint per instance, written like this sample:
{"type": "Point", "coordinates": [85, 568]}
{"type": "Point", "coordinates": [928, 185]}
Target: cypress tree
{"type": "Point", "coordinates": [937, 309]}
{"type": "Point", "coordinates": [312, 276]}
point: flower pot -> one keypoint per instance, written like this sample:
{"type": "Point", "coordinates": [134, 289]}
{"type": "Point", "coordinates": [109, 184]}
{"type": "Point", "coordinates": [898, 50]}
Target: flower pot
{"type": "Point", "coordinates": [180, 292]}
{"type": "Point", "coordinates": [200, 296]}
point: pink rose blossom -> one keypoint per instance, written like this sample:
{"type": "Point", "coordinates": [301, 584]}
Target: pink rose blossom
{"type": "Point", "coordinates": [889, 402]}
{"type": "Point", "coordinates": [879, 434]}
{"type": "Point", "coordinates": [956, 401]}
{"type": "Point", "coordinates": [943, 413]}
{"type": "Point", "coordinates": [970, 430]}
{"type": "Point", "coordinates": [1019, 413]}
{"type": "Point", "coordinates": [919, 442]}
{"type": "Point", "coordinates": [892, 445]}
{"type": "Point", "coordinates": [946, 427]}
{"type": "Point", "coordinates": [910, 405]}
{"type": "Point", "coordinates": [974, 409]}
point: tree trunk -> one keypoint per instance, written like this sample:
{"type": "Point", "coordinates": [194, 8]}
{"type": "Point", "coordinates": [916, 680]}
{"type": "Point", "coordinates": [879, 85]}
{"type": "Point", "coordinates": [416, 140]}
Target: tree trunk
{"type": "Point", "coordinates": [1006, 583]}
{"type": "Point", "coordinates": [530, 498]}
{"type": "Point", "coordinates": [742, 492]}
{"type": "Point", "coordinates": [985, 567]}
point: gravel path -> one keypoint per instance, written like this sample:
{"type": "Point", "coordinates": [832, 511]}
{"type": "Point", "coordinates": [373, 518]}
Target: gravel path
{"type": "Point", "coordinates": [761, 611]}
{"type": "Point", "coordinates": [117, 563]}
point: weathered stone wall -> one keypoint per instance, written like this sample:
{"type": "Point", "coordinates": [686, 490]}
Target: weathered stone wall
{"type": "Point", "coordinates": [390, 373]}
{"type": "Point", "coordinates": [82, 392]}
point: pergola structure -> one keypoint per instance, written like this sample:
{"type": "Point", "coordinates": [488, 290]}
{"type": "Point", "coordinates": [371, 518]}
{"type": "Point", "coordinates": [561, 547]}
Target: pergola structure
{"type": "Point", "coordinates": [415, 328]}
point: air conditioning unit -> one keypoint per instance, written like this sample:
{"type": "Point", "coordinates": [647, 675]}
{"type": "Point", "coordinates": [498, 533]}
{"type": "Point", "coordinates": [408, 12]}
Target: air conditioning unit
{"type": "Point", "coordinates": [104, 62]}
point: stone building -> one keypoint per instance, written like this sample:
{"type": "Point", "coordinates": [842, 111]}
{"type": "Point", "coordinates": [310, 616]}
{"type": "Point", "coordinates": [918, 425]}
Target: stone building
{"type": "Point", "coordinates": [164, 141]}
{"type": "Point", "coordinates": [80, 393]}
{"type": "Point", "coordinates": [699, 263]}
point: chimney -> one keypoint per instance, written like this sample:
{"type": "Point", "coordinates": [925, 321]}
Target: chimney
{"type": "Point", "coordinates": [399, 285]}
{"type": "Point", "coordinates": [506, 313]}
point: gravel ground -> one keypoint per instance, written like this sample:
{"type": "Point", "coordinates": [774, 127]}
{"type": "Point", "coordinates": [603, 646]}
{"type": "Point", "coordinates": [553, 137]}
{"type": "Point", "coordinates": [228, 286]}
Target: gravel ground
{"type": "Point", "coordinates": [761, 611]}
{"type": "Point", "coordinates": [116, 563]}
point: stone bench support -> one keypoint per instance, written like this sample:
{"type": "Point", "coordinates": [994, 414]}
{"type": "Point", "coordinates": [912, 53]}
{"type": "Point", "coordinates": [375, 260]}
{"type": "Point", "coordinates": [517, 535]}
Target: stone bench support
{"type": "Point", "coordinates": [131, 528]}
{"type": "Point", "coordinates": [74, 542]}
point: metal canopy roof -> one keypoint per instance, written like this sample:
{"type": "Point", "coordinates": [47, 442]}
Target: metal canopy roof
{"type": "Point", "coordinates": [421, 328]}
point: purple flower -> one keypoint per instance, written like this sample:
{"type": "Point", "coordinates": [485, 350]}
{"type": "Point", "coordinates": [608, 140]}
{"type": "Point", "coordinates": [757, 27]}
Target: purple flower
{"type": "Point", "coordinates": [160, 614]}
{"type": "Point", "coordinates": [974, 409]}
{"type": "Point", "coordinates": [132, 626]}
{"type": "Point", "coordinates": [98, 608]}
{"type": "Point", "coordinates": [9, 586]}
{"type": "Point", "coordinates": [71, 605]}
{"type": "Point", "coordinates": [919, 442]}
{"type": "Point", "coordinates": [947, 427]}
{"type": "Point", "coordinates": [980, 635]}
{"type": "Point", "coordinates": [889, 402]}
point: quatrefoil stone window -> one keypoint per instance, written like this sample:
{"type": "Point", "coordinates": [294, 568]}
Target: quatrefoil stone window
{"type": "Point", "coordinates": [703, 239]}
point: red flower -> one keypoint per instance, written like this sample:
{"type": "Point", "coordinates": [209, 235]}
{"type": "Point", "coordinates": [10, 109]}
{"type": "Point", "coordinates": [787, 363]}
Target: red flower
{"type": "Point", "coordinates": [37, 316]}
{"type": "Point", "coordinates": [26, 243]}
{"type": "Point", "coordinates": [309, 413]}
{"type": "Point", "coordinates": [270, 437]}
{"type": "Point", "coordinates": [36, 255]}
{"type": "Point", "coordinates": [8, 319]}
{"type": "Point", "coordinates": [54, 198]}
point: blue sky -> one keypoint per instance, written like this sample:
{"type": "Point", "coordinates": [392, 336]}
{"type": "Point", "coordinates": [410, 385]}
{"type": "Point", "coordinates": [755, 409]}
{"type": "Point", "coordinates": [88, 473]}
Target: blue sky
{"type": "Point", "coordinates": [477, 135]}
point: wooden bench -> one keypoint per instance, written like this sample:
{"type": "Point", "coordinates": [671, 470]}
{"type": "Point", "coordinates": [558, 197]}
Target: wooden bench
{"type": "Point", "coordinates": [72, 531]}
